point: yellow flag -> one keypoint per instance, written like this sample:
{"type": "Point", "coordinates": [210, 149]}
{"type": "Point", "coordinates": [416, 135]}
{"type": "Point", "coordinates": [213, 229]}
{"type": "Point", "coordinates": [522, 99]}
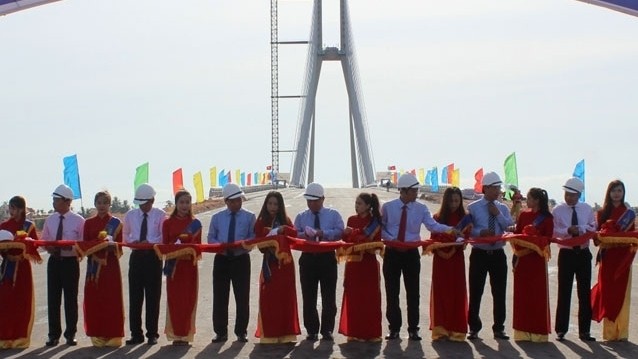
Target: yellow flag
{"type": "Point", "coordinates": [456, 178]}
{"type": "Point", "coordinates": [199, 187]}
{"type": "Point", "coordinates": [213, 176]}
{"type": "Point", "coordinates": [421, 175]}
{"type": "Point", "coordinates": [237, 179]}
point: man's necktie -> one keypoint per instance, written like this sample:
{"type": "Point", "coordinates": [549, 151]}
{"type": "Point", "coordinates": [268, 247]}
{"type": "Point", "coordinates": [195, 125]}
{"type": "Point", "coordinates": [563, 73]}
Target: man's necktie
{"type": "Point", "coordinates": [231, 231]}
{"type": "Point", "coordinates": [491, 221]}
{"type": "Point", "coordinates": [575, 223]}
{"type": "Point", "coordinates": [402, 223]}
{"type": "Point", "coordinates": [144, 228]}
{"type": "Point", "coordinates": [58, 235]}
{"type": "Point", "coordinates": [317, 224]}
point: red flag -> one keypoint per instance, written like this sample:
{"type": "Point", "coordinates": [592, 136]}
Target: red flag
{"type": "Point", "coordinates": [392, 168]}
{"type": "Point", "coordinates": [478, 185]}
{"type": "Point", "coordinates": [450, 172]}
{"type": "Point", "coordinates": [248, 178]}
{"type": "Point", "coordinates": [178, 180]}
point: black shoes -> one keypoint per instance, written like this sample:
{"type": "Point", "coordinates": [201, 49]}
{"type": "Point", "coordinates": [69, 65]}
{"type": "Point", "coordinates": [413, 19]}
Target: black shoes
{"type": "Point", "coordinates": [180, 343]}
{"type": "Point", "coordinates": [414, 335]}
{"type": "Point", "coordinates": [312, 337]}
{"type": "Point", "coordinates": [52, 342]}
{"type": "Point", "coordinates": [71, 342]}
{"type": "Point", "coordinates": [152, 341]}
{"type": "Point", "coordinates": [242, 338]}
{"type": "Point", "coordinates": [560, 336]}
{"type": "Point", "coordinates": [472, 335]}
{"type": "Point", "coordinates": [586, 337]}
{"type": "Point", "coordinates": [501, 335]}
{"type": "Point", "coordinates": [392, 335]}
{"type": "Point", "coordinates": [220, 338]}
{"type": "Point", "coordinates": [327, 336]}
{"type": "Point", "coordinates": [134, 341]}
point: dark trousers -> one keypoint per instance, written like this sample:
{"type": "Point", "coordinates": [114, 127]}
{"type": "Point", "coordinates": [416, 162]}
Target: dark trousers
{"type": "Point", "coordinates": [227, 270]}
{"type": "Point", "coordinates": [63, 275]}
{"type": "Point", "coordinates": [408, 263]}
{"type": "Point", "coordinates": [483, 262]}
{"type": "Point", "coordinates": [574, 262]}
{"type": "Point", "coordinates": [144, 280]}
{"type": "Point", "coordinates": [318, 269]}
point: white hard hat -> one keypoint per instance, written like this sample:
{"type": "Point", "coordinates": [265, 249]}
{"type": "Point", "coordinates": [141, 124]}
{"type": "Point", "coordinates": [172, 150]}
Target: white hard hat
{"type": "Point", "coordinates": [491, 179]}
{"type": "Point", "coordinates": [6, 235]}
{"type": "Point", "coordinates": [63, 191]}
{"type": "Point", "coordinates": [231, 191]}
{"type": "Point", "coordinates": [574, 185]}
{"type": "Point", "coordinates": [314, 191]}
{"type": "Point", "coordinates": [407, 180]}
{"type": "Point", "coordinates": [143, 194]}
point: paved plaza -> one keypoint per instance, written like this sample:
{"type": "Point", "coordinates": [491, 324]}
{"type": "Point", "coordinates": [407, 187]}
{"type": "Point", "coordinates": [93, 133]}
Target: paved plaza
{"type": "Point", "coordinates": [343, 201]}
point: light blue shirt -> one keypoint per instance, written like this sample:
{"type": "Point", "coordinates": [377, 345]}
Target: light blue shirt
{"type": "Point", "coordinates": [481, 217]}
{"type": "Point", "coordinates": [417, 214]}
{"type": "Point", "coordinates": [330, 222]}
{"type": "Point", "coordinates": [244, 227]}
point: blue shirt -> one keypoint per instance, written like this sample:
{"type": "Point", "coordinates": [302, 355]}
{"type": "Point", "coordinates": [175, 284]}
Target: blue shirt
{"type": "Point", "coordinates": [481, 217]}
{"type": "Point", "coordinates": [244, 227]}
{"type": "Point", "coordinates": [417, 214]}
{"type": "Point", "coordinates": [330, 222]}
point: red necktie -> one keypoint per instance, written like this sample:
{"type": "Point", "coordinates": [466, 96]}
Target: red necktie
{"type": "Point", "coordinates": [402, 223]}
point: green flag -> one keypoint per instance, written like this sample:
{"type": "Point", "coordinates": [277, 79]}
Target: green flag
{"type": "Point", "coordinates": [511, 174]}
{"type": "Point", "coordinates": [141, 175]}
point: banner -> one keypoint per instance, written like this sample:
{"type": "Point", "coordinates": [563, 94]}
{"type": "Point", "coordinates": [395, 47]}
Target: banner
{"type": "Point", "coordinates": [178, 180]}
{"type": "Point", "coordinates": [249, 176]}
{"type": "Point", "coordinates": [213, 177]}
{"type": "Point", "coordinates": [428, 178]}
{"type": "Point", "coordinates": [238, 177]}
{"type": "Point", "coordinates": [478, 184]}
{"type": "Point", "coordinates": [242, 177]}
{"type": "Point", "coordinates": [199, 187]}
{"type": "Point", "coordinates": [627, 6]}
{"type": "Point", "coordinates": [444, 175]}
{"type": "Point", "coordinates": [72, 175]}
{"type": "Point", "coordinates": [456, 178]}
{"type": "Point", "coordinates": [141, 175]}
{"type": "Point", "coordinates": [511, 174]}
{"type": "Point", "coordinates": [579, 172]}
{"type": "Point", "coordinates": [435, 179]}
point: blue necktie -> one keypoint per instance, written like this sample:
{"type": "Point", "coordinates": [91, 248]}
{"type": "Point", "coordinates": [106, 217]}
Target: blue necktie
{"type": "Point", "coordinates": [231, 232]}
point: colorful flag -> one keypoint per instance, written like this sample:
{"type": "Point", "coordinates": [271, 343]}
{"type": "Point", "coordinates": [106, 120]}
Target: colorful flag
{"type": "Point", "coordinates": [428, 178]}
{"type": "Point", "coordinates": [243, 179]}
{"type": "Point", "coordinates": [213, 176]}
{"type": "Point", "coordinates": [435, 179]}
{"type": "Point", "coordinates": [450, 172]}
{"type": "Point", "coordinates": [478, 184]}
{"type": "Point", "coordinates": [395, 177]}
{"type": "Point", "coordinates": [249, 176]}
{"type": "Point", "coordinates": [627, 6]}
{"type": "Point", "coordinates": [456, 178]}
{"type": "Point", "coordinates": [178, 180]}
{"type": "Point", "coordinates": [199, 187]}
{"type": "Point", "coordinates": [269, 167]}
{"type": "Point", "coordinates": [72, 175]}
{"type": "Point", "coordinates": [222, 178]}
{"type": "Point", "coordinates": [141, 175]}
{"type": "Point", "coordinates": [579, 172]}
{"type": "Point", "coordinates": [228, 178]}
{"type": "Point", "coordinates": [511, 174]}
{"type": "Point", "coordinates": [392, 168]}
{"type": "Point", "coordinates": [444, 175]}
{"type": "Point", "coordinates": [238, 177]}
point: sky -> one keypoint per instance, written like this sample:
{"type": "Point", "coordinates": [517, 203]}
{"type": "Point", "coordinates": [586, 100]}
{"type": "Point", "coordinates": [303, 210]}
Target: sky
{"type": "Point", "coordinates": [187, 85]}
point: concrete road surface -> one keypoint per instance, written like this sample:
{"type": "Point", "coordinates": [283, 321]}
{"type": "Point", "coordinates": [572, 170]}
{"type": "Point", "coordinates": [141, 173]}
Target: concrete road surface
{"type": "Point", "coordinates": [343, 201]}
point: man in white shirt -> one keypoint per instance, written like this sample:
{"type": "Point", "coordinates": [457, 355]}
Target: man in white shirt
{"type": "Point", "coordinates": [63, 268]}
{"type": "Point", "coordinates": [572, 219]}
{"type": "Point", "coordinates": [144, 225]}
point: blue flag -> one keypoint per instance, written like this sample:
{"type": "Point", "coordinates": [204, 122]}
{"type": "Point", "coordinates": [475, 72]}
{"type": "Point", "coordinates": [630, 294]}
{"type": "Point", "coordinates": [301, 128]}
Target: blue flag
{"type": "Point", "coordinates": [243, 179]}
{"type": "Point", "coordinates": [222, 178]}
{"type": "Point", "coordinates": [428, 178]}
{"type": "Point", "coordinates": [435, 179]}
{"type": "Point", "coordinates": [579, 172]}
{"type": "Point", "coordinates": [444, 176]}
{"type": "Point", "coordinates": [72, 175]}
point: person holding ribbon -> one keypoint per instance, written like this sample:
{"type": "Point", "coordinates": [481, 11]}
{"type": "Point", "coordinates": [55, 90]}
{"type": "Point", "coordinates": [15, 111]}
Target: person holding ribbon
{"type": "Point", "coordinates": [16, 277]}
{"type": "Point", "coordinates": [448, 295]}
{"type": "Point", "coordinates": [361, 304]}
{"type": "Point", "coordinates": [63, 268]}
{"type": "Point", "coordinates": [232, 266]}
{"type": "Point", "coordinates": [318, 224]}
{"type": "Point", "coordinates": [535, 226]}
{"type": "Point", "coordinates": [142, 230]}
{"type": "Point", "coordinates": [490, 219]}
{"type": "Point", "coordinates": [278, 320]}
{"type": "Point", "coordinates": [103, 283]}
{"type": "Point", "coordinates": [180, 269]}
{"type": "Point", "coordinates": [572, 221]}
{"type": "Point", "coordinates": [611, 295]}
{"type": "Point", "coordinates": [402, 219]}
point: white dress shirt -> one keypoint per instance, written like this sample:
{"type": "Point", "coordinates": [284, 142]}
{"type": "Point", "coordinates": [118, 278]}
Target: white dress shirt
{"type": "Point", "coordinates": [133, 224]}
{"type": "Point", "coordinates": [563, 220]}
{"type": "Point", "coordinates": [72, 230]}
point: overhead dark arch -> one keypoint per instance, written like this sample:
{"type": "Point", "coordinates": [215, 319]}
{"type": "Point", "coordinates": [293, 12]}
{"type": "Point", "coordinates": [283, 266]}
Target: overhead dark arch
{"type": "Point", "coordinates": [9, 6]}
